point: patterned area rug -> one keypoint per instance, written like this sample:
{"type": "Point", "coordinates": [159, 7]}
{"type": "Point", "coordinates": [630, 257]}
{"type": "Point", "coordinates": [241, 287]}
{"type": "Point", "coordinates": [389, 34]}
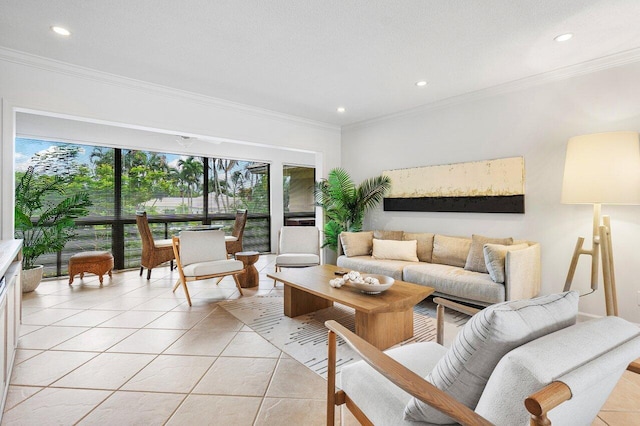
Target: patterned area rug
{"type": "Point", "coordinates": [304, 338]}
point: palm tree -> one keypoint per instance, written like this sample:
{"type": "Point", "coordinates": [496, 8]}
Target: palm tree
{"type": "Point", "coordinates": [345, 204]}
{"type": "Point", "coordinates": [191, 170]}
{"type": "Point", "coordinates": [226, 166]}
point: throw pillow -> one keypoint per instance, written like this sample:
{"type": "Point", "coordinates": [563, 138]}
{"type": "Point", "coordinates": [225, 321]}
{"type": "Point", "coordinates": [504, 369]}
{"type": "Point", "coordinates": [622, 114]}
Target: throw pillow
{"type": "Point", "coordinates": [357, 243]}
{"type": "Point", "coordinates": [388, 235]}
{"type": "Point", "coordinates": [450, 250]}
{"type": "Point", "coordinates": [395, 250]}
{"type": "Point", "coordinates": [488, 336]}
{"type": "Point", "coordinates": [425, 244]}
{"type": "Point", "coordinates": [475, 260]}
{"type": "Point", "coordinates": [494, 257]}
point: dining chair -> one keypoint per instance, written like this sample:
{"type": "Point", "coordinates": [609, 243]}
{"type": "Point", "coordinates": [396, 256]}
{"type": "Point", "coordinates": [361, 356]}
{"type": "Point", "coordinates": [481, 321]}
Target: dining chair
{"type": "Point", "coordinates": [202, 255]}
{"type": "Point", "coordinates": [233, 242]}
{"type": "Point", "coordinates": [154, 252]}
{"type": "Point", "coordinates": [298, 247]}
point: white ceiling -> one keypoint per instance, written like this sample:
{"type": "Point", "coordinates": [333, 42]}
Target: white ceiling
{"type": "Point", "coordinates": [307, 57]}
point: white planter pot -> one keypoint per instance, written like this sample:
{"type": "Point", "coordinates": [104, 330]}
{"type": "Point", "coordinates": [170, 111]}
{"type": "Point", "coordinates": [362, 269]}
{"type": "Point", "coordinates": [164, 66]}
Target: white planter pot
{"type": "Point", "coordinates": [31, 278]}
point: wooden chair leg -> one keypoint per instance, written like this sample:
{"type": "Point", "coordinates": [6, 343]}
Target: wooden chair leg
{"type": "Point", "coordinates": [175, 287]}
{"type": "Point", "coordinates": [277, 270]}
{"type": "Point", "coordinates": [440, 324]}
{"type": "Point", "coordinates": [331, 379]}
{"type": "Point", "coordinates": [186, 291]}
{"type": "Point", "coordinates": [218, 280]}
{"type": "Point", "coordinates": [235, 278]}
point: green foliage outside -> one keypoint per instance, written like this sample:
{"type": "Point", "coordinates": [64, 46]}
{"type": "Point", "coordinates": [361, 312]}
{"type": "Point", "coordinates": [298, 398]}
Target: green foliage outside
{"type": "Point", "coordinates": [345, 204]}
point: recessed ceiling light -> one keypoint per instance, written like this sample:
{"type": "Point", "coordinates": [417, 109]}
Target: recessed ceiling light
{"type": "Point", "coordinates": [61, 30]}
{"type": "Point", "coordinates": [563, 37]}
{"type": "Point", "coordinates": [341, 109]}
{"type": "Point", "coordinates": [421, 83]}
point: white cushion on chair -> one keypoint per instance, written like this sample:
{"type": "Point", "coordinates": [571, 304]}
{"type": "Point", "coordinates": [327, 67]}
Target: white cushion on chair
{"type": "Point", "coordinates": [163, 243]}
{"type": "Point", "coordinates": [299, 239]}
{"type": "Point", "coordinates": [201, 246]}
{"type": "Point", "coordinates": [297, 259]}
{"type": "Point", "coordinates": [213, 267]}
{"type": "Point", "coordinates": [489, 335]}
{"type": "Point", "coordinates": [230, 238]}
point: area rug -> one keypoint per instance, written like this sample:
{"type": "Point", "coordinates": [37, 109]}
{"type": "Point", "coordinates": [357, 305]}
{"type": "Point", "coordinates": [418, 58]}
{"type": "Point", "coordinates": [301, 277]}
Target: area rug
{"type": "Point", "coordinates": [304, 338]}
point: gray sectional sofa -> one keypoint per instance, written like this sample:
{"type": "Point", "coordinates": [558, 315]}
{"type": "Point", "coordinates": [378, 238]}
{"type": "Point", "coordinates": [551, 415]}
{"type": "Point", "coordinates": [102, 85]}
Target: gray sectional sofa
{"type": "Point", "coordinates": [478, 270]}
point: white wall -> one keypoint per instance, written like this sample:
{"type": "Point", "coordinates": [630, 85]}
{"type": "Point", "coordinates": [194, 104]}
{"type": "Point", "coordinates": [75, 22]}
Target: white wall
{"type": "Point", "coordinates": [33, 84]}
{"type": "Point", "coordinates": [536, 123]}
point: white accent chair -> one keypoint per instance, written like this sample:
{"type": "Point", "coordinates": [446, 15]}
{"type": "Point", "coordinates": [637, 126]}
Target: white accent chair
{"type": "Point", "coordinates": [564, 376]}
{"type": "Point", "coordinates": [201, 255]}
{"type": "Point", "coordinates": [298, 247]}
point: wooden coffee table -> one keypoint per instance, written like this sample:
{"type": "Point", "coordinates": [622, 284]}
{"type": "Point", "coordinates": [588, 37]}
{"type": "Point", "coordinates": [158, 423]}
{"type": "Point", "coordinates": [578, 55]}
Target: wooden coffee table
{"type": "Point", "coordinates": [381, 319]}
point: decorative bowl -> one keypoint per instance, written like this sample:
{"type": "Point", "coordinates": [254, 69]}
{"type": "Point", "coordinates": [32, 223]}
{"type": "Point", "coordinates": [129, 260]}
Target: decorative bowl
{"type": "Point", "coordinates": [385, 284]}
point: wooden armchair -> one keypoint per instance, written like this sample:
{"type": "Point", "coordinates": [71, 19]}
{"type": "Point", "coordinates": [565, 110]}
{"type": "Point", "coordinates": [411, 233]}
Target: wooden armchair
{"type": "Point", "coordinates": [154, 252]}
{"type": "Point", "coordinates": [234, 241]}
{"type": "Point", "coordinates": [564, 376]}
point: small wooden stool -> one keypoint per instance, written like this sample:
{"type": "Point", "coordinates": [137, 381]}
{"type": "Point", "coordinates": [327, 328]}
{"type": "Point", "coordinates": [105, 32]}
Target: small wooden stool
{"type": "Point", "coordinates": [250, 278]}
{"type": "Point", "coordinates": [95, 262]}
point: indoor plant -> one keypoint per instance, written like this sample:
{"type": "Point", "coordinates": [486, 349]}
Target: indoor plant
{"type": "Point", "coordinates": [44, 220]}
{"type": "Point", "coordinates": [345, 204]}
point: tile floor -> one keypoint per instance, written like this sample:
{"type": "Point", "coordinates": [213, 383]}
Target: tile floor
{"type": "Point", "coordinates": [133, 352]}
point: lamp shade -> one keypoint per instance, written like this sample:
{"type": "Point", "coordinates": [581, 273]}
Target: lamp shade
{"type": "Point", "coordinates": [602, 168]}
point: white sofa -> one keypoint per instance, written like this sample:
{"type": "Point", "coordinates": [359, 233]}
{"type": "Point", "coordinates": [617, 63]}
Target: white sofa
{"type": "Point", "coordinates": [478, 270]}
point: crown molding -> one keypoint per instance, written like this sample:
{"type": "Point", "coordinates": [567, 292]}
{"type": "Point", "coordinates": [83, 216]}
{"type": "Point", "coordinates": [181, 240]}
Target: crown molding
{"type": "Point", "coordinates": [53, 65]}
{"type": "Point", "coordinates": [588, 67]}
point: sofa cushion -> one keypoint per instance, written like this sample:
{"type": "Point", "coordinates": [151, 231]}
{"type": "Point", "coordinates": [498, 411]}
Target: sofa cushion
{"type": "Point", "coordinates": [489, 335]}
{"type": "Point", "coordinates": [456, 282]}
{"type": "Point", "coordinates": [395, 250]}
{"type": "Point", "coordinates": [450, 250]}
{"type": "Point", "coordinates": [425, 244]}
{"type": "Point", "coordinates": [494, 257]}
{"type": "Point", "coordinates": [388, 235]}
{"type": "Point", "coordinates": [357, 243]}
{"type": "Point", "coordinates": [475, 259]}
{"type": "Point", "coordinates": [369, 265]}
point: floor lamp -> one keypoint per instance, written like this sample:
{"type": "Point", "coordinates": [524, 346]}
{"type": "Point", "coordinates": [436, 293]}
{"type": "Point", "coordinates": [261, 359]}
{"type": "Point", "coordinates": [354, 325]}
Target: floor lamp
{"type": "Point", "coordinates": [602, 168]}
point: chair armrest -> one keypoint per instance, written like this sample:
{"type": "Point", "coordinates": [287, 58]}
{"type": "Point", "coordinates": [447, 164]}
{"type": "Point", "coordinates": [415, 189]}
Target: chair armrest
{"type": "Point", "coordinates": [522, 273]}
{"type": "Point", "coordinates": [406, 379]}
{"type": "Point", "coordinates": [634, 366]}
{"type": "Point", "coordinates": [442, 303]}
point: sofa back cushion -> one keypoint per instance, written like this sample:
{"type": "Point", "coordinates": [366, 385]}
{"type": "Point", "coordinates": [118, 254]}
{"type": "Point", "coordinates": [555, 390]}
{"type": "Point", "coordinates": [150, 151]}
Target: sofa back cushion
{"type": "Point", "coordinates": [395, 250]}
{"type": "Point", "coordinates": [475, 260]}
{"type": "Point", "coordinates": [357, 243]}
{"type": "Point", "coordinates": [489, 335]}
{"type": "Point", "coordinates": [425, 244]}
{"type": "Point", "coordinates": [450, 250]}
{"type": "Point", "coordinates": [388, 235]}
{"type": "Point", "coordinates": [494, 258]}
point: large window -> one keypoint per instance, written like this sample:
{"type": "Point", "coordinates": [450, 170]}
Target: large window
{"type": "Point", "coordinates": [298, 186]}
{"type": "Point", "coordinates": [175, 191]}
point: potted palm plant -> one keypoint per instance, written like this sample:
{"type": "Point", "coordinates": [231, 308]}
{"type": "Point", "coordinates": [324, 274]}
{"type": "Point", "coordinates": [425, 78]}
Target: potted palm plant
{"type": "Point", "coordinates": [44, 220]}
{"type": "Point", "coordinates": [345, 204]}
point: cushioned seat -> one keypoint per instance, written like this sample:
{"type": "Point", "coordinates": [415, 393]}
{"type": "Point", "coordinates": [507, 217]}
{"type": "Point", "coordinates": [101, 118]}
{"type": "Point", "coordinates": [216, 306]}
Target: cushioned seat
{"type": "Point", "coordinates": [297, 259]}
{"type": "Point", "coordinates": [369, 265]}
{"type": "Point", "coordinates": [212, 267]}
{"type": "Point", "coordinates": [95, 262]}
{"type": "Point", "coordinates": [298, 247]}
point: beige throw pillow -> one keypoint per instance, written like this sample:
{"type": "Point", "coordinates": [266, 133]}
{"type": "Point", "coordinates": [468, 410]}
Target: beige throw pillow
{"type": "Point", "coordinates": [357, 243]}
{"type": "Point", "coordinates": [388, 235]}
{"type": "Point", "coordinates": [425, 244]}
{"type": "Point", "coordinates": [490, 334]}
{"type": "Point", "coordinates": [475, 260]}
{"type": "Point", "coordinates": [395, 250]}
{"type": "Point", "coordinates": [450, 250]}
{"type": "Point", "coordinates": [494, 257]}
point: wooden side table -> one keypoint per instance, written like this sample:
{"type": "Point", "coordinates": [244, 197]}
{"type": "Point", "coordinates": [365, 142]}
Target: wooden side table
{"type": "Point", "coordinates": [250, 278]}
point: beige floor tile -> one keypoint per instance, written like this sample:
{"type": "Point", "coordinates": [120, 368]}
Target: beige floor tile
{"type": "Point", "coordinates": [88, 318]}
{"type": "Point", "coordinates": [159, 305]}
{"type": "Point", "coordinates": [132, 319]}
{"type": "Point", "coordinates": [48, 316]}
{"type": "Point", "coordinates": [201, 342]}
{"type": "Point", "coordinates": [24, 354]}
{"type": "Point", "coordinates": [346, 418]}
{"type": "Point", "coordinates": [148, 341]}
{"type": "Point", "coordinates": [213, 293]}
{"type": "Point", "coordinates": [134, 408]}
{"type": "Point", "coordinates": [96, 339]}
{"type": "Point", "coordinates": [105, 371]}
{"type": "Point", "coordinates": [82, 302]}
{"type": "Point", "coordinates": [626, 395]}
{"type": "Point", "coordinates": [170, 373]}
{"type": "Point", "coordinates": [220, 319]}
{"type": "Point", "coordinates": [237, 376]}
{"type": "Point", "coordinates": [120, 304]}
{"type": "Point", "coordinates": [178, 320]}
{"type": "Point", "coordinates": [278, 411]}
{"type": "Point", "coordinates": [147, 292]}
{"type": "Point", "coordinates": [199, 305]}
{"type": "Point", "coordinates": [251, 344]}
{"type": "Point", "coordinates": [26, 329]}
{"type": "Point", "coordinates": [17, 394]}
{"type": "Point", "coordinates": [293, 380]}
{"type": "Point", "coordinates": [49, 366]}
{"type": "Point", "coordinates": [216, 410]}
{"type": "Point", "coordinates": [48, 337]}
{"type": "Point", "coordinates": [55, 406]}
{"type": "Point", "coordinates": [597, 422]}
{"type": "Point", "coordinates": [615, 418]}
{"type": "Point", "coordinates": [35, 301]}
